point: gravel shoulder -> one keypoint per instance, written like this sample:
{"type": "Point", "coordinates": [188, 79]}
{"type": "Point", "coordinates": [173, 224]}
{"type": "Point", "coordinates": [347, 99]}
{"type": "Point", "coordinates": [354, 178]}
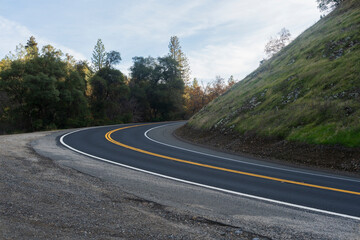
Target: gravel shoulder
{"type": "Point", "coordinates": [55, 193]}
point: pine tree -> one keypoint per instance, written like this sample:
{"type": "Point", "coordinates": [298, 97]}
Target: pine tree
{"type": "Point", "coordinates": [31, 48]}
{"type": "Point", "coordinates": [99, 55]}
{"type": "Point", "coordinates": [177, 54]}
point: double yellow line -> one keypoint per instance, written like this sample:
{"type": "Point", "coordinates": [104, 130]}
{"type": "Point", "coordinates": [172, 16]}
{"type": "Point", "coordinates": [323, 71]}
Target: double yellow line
{"type": "Point", "coordinates": [108, 137]}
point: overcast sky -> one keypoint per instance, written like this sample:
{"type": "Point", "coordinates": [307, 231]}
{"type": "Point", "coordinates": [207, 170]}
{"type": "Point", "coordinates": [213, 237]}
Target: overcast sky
{"type": "Point", "coordinates": [219, 37]}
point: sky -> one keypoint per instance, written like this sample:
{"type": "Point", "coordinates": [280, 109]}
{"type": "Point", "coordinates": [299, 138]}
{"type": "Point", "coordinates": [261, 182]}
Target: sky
{"type": "Point", "coordinates": [219, 37]}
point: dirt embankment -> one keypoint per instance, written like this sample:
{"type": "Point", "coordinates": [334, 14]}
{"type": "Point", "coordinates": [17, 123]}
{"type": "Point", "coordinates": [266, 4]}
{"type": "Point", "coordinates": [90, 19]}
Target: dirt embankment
{"type": "Point", "coordinates": [42, 200]}
{"type": "Point", "coordinates": [338, 158]}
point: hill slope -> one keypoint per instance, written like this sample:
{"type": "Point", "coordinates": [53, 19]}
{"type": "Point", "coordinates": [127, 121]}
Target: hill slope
{"type": "Point", "coordinates": [309, 92]}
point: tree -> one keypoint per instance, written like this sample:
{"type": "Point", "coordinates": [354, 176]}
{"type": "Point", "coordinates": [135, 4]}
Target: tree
{"type": "Point", "coordinates": [84, 69]}
{"type": "Point", "coordinates": [167, 90]}
{"type": "Point", "coordinates": [198, 96]}
{"type": "Point", "coordinates": [231, 82]}
{"type": "Point", "coordinates": [178, 55]}
{"type": "Point", "coordinates": [276, 44]}
{"type": "Point", "coordinates": [74, 104]}
{"type": "Point", "coordinates": [4, 64]}
{"type": "Point", "coordinates": [195, 100]}
{"type": "Point", "coordinates": [215, 88]}
{"type": "Point", "coordinates": [141, 74]}
{"type": "Point", "coordinates": [50, 51]}
{"type": "Point", "coordinates": [112, 58]}
{"type": "Point", "coordinates": [324, 5]}
{"type": "Point", "coordinates": [32, 48]}
{"type": "Point", "coordinates": [32, 93]}
{"type": "Point", "coordinates": [157, 88]}
{"type": "Point", "coordinates": [41, 98]}
{"type": "Point", "coordinates": [99, 55]}
{"type": "Point", "coordinates": [70, 61]}
{"type": "Point", "coordinates": [20, 53]}
{"type": "Point", "coordinates": [34, 88]}
{"type": "Point", "coordinates": [109, 95]}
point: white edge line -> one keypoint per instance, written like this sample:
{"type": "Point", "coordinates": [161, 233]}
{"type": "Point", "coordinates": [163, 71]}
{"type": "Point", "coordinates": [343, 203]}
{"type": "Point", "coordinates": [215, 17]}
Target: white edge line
{"type": "Point", "coordinates": [203, 185]}
{"type": "Point", "coordinates": [240, 161]}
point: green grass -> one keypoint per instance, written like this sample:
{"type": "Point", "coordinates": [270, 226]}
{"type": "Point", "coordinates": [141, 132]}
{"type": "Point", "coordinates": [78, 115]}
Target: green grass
{"type": "Point", "coordinates": [308, 92]}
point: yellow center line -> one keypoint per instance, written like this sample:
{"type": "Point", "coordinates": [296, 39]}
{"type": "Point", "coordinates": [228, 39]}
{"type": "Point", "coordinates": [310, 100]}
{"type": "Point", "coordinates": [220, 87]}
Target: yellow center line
{"type": "Point", "coordinates": [108, 137]}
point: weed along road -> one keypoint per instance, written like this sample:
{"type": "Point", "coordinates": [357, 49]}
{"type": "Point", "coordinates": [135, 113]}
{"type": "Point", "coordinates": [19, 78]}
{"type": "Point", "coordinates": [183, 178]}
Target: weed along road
{"type": "Point", "coordinates": [132, 146]}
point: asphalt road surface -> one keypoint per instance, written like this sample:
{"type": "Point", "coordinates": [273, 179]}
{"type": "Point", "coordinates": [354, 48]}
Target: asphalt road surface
{"type": "Point", "coordinates": [130, 146]}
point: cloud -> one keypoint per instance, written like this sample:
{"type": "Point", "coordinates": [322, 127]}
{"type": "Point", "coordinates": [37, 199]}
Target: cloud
{"type": "Point", "coordinates": [234, 43]}
{"type": "Point", "coordinates": [75, 54]}
{"type": "Point", "coordinates": [12, 33]}
{"type": "Point", "coordinates": [219, 37]}
{"type": "Point", "coordinates": [235, 59]}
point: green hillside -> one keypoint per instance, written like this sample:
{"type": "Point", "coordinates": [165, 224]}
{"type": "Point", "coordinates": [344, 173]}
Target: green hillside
{"type": "Point", "coordinates": [308, 92]}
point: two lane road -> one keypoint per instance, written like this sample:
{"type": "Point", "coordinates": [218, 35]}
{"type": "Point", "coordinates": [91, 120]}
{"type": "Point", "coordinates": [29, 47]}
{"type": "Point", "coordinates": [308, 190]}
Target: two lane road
{"type": "Point", "coordinates": [129, 146]}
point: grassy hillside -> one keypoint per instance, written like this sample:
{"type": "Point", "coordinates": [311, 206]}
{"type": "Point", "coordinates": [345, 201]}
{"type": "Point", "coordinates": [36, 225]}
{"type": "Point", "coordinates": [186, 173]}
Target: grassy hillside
{"type": "Point", "coordinates": [309, 92]}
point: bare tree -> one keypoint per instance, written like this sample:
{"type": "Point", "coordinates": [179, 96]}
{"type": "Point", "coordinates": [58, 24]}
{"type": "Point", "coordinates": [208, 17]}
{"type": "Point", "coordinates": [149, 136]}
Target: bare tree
{"type": "Point", "coordinates": [275, 44]}
{"type": "Point", "coordinates": [325, 5]}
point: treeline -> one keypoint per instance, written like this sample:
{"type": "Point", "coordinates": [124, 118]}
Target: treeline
{"type": "Point", "coordinates": [46, 89]}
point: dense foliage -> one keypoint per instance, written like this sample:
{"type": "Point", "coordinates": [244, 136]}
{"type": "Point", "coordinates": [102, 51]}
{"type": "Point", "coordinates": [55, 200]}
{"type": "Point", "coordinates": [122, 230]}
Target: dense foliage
{"type": "Point", "coordinates": [157, 88]}
{"type": "Point", "coordinates": [110, 94]}
{"type": "Point", "coordinates": [42, 91]}
{"type": "Point", "coordinates": [46, 89]}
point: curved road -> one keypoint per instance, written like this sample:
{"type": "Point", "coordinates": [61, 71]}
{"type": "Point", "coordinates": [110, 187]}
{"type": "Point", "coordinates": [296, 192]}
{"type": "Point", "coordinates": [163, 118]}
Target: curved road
{"type": "Point", "coordinates": [130, 146]}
